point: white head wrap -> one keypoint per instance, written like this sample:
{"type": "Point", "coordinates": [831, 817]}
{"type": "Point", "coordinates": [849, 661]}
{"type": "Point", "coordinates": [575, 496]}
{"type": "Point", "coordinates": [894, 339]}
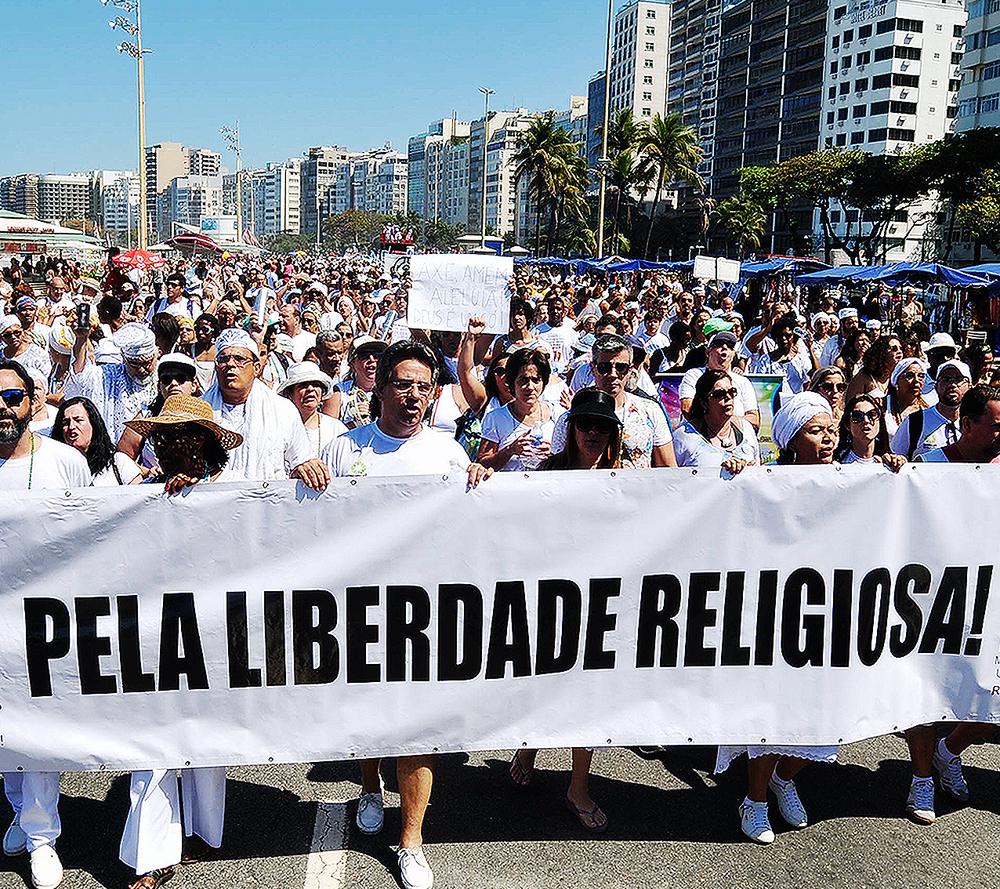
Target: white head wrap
{"type": "Point", "coordinates": [60, 339]}
{"type": "Point", "coordinates": [902, 365]}
{"type": "Point", "coordinates": [795, 413]}
{"type": "Point", "coordinates": [136, 341]}
{"type": "Point", "coordinates": [9, 321]}
{"type": "Point", "coordinates": [233, 336]}
{"type": "Point", "coordinates": [847, 313]}
{"type": "Point", "coordinates": [821, 316]}
{"type": "Point", "coordinates": [106, 352]}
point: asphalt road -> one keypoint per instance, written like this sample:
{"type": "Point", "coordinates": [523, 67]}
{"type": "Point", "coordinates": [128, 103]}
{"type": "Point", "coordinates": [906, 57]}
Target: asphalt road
{"type": "Point", "coordinates": [671, 823]}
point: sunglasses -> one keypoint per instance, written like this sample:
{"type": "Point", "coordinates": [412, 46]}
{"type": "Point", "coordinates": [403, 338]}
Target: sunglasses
{"type": "Point", "coordinates": [723, 394]}
{"type": "Point", "coordinates": [862, 416]}
{"type": "Point", "coordinates": [604, 367]}
{"type": "Point", "coordinates": [594, 424]}
{"type": "Point", "coordinates": [833, 387]}
{"type": "Point", "coordinates": [165, 436]}
{"type": "Point", "coordinates": [176, 376]}
{"type": "Point", "coordinates": [13, 397]}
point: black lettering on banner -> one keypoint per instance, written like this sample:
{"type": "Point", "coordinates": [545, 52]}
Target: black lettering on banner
{"type": "Point", "coordinates": [876, 590]}
{"type": "Point", "coordinates": [699, 618]}
{"type": "Point", "coordinates": [275, 664]}
{"type": "Point", "coordinates": [558, 599]}
{"type": "Point", "coordinates": [360, 634]}
{"type": "Point", "coordinates": [407, 616]}
{"type": "Point", "coordinates": [238, 636]}
{"type": "Point", "coordinates": [983, 579]}
{"type": "Point", "coordinates": [600, 622]}
{"type": "Point", "coordinates": [179, 626]}
{"type": "Point", "coordinates": [767, 607]}
{"type": "Point", "coordinates": [946, 622]}
{"type": "Point", "coordinates": [40, 647]}
{"type": "Point", "coordinates": [732, 653]}
{"type": "Point", "coordinates": [455, 599]}
{"type": "Point", "coordinates": [129, 649]}
{"type": "Point", "coordinates": [659, 604]}
{"type": "Point", "coordinates": [315, 652]}
{"type": "Point", "coordinates": [840, 619]}
{"type": "Point", "coordinates": [903, 638]}
{"type": "Point", "coordinates": [510, 613]}
{"type": "Point", "coordinates": [90, 647]}
{"type": "Point", "coordinates": [795, 651]}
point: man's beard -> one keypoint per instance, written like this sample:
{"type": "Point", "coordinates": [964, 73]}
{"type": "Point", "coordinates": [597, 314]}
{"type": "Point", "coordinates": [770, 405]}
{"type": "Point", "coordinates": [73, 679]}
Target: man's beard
{"type": "Point", "coordinates": [12, 433]}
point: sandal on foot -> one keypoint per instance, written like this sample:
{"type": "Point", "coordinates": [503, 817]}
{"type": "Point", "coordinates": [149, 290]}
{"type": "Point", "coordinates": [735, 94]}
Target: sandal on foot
{"type": "Point", "coordinates": [154, 879]}
{"type": "Point", "coordinates": [520, 775]}
{"type": "Point", "coordinates": [195, 849]}
{"type": "Point", "coordinates": [588, 818]}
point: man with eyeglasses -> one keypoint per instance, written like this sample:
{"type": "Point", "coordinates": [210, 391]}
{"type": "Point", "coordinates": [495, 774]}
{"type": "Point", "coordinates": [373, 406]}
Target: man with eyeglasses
{"type": "Point", "coordinates": [398, 443]}
{"type": "Point", "coordinates": [30, 462]}
{"type": "Point", "coordinates": [120, 391]}
{"type": "Point", "coordinates": [935, 426]}
{"type": "Point", "coordinates": [646, 437]}
{"type": "Point", "coordinates": [275, 444]}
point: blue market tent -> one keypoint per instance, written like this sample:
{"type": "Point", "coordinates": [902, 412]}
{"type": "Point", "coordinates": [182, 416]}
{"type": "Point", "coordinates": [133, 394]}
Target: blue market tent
{"type": "Point", "coordinates": [991, 269]}
{"type": "Point", "coordinates": [897, 273]}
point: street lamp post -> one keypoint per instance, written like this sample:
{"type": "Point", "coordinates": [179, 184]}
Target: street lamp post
{"type": "Point", "coordinates": [136, 51]}
{"type": "Point", "coordinates": [232, 137]}
{"type": "Point", "coordinates": [486, 144]}
{"type": "Point", "coordinates": [604, 162]}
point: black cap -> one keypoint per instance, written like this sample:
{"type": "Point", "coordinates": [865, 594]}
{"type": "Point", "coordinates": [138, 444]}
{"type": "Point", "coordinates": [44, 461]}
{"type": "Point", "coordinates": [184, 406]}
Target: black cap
{"type": "Point", "coordinates": [593, 403]}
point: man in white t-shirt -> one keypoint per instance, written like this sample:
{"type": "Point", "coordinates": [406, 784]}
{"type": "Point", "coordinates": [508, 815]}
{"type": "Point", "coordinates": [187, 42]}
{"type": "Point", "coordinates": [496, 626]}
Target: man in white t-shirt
{"type": "Point", "coordinates": [398, 443]}
{"type": "Point", "coordinates": [935, 426]}
{"type": "Point", "coordinates": [649, 336]}
{"type": "Point", "coordinates": [720, 352]}
{"type": "Point", "coordinates": [848, 318]}
{"type": "Point", "coordinates": [29, 462]}
{"type": "Point", "coordinates": [979, 428]}
{"type": "Point", "coordinates": [291, 324]}
{"type": "Point", "coordinates": [558, 333]}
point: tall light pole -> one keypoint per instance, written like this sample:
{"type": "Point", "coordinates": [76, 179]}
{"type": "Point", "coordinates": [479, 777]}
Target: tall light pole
{"type": "Point", "coordinates": [604, 163]}
{"type": "Point", "coordinates": [232, 137]}
{"type": "Point", "coordinates": [136, 51]}
{"type": "Point", "coordinates": [486, 144]}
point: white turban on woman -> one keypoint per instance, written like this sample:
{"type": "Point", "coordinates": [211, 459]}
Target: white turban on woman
{"type": "Point", "coordinates": [794, 414]}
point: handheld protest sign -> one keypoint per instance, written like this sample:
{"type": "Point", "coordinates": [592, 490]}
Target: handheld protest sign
{"type": "Point", "coordinates": [449, 289]}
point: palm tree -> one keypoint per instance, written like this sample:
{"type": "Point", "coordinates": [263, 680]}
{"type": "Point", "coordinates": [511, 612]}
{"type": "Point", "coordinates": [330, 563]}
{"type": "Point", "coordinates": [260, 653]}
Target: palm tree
{"type": "Point", "coordinates": [744, 222]}
{"type": "Point", "coordinates": [673, 149]}
{"type": "Point", "coordinates": [570, 180]}
{"type": "Point", "coordinates": [629, 174]}
{"type": "Point", "coordinates": [542, 158]}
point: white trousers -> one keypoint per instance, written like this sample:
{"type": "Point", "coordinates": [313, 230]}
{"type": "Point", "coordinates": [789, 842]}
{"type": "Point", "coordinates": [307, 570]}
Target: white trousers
{"type": "Point", "coordinates": [34, 796]}
{"type": "Point", "coordinates": [153, 836]}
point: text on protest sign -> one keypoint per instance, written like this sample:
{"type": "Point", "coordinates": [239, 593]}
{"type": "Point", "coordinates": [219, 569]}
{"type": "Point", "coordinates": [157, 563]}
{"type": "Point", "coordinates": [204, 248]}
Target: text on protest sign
{"type": "Point", "coordinates": [230, 612]}
{"type": "Point", "coordinates": [448, 289]}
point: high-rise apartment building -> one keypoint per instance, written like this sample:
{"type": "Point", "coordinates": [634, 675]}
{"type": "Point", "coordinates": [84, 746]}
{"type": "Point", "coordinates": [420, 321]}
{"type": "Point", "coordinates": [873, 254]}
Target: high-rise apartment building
{"type": "Point", "coordinates": [20, 194]}
{"type": "Point", "coordinates": [115, 201]}
{"type": "Point", "coordinates": [640, 53]}
{"type": "Point", "coordinates": [202, 162]}
{"type": "Point", "coordinates": [61, 198]}
{"type": "Point", "coordinates": [164, 163]}
{"type": "Point", "coordinates": [318, 171]}
{"type": "Point", "coordinates": [595, 118]}
{"type": "Point", "coordinates": [506, 128]}
{"type": "Point", "coordinates": [979, 95]}
{"type": "Point", "coordinates": [438, 164]}
{"type": "Point", "coordinates": [892, 82]}
{"type": "Point", "coordinates": [186, 200]}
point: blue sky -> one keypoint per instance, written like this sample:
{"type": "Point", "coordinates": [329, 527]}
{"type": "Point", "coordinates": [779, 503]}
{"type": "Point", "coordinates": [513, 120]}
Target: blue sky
{"type": "Point", "coordinates": [296, 74]}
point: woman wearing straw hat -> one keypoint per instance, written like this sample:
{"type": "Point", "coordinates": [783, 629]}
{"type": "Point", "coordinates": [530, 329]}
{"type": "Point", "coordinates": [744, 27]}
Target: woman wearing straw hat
{"type": "Point", "coordinates": [191, 448]}
{"type": "Point", "coordinates": [307, 387]}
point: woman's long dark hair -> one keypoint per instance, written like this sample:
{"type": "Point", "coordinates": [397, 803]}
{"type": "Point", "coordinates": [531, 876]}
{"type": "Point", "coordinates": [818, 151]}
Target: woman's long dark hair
{"type": "Point", "coordinates": [102, 450]}
{"type": "Point", "coordinates": [706, 382]}
{"type": "Point", "coordinates": [846, 442]}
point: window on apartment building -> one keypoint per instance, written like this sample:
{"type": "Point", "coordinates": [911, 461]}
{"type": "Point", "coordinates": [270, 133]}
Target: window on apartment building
{"type": "Point", "coordinates": [650, 47]}
{"type": "Point", "coordinates": [836, 41]}
{"type": "Point", "coordinates": [852, 215]}
{"type": "Point", "coordinates": [957, 31]}
{"type": "Point", "coordinates": [832, 92]}
{"type": "Point", "coordinates": [901, 135]}
{"type": "Point", "coordinates": [647, 97]}
{"type": "Point", "coordinates": [841, 139]}
{"type": "Point", "coordinates": [880, 108]}
{"type": "Point", "coordinates": [859, 111]}
{"type": "Point", "coordinates": [839, 12]}
{"type": "Point", "coordinates": [651, 13]}
{"type": "Point", "coordinates": [845, 88]}
{"type": "Point", "coordinates": [833, 67]}
{"type": "Point", "coordinates": [841, 114]}
{"type": "Point", "coordinates": [954, 85]}
{"type": "Point", "coordinates": [835, 216]}
{"type": "Point", "coordinates": [647, 63]}
{"type": "Point", "coordinates": [864, 32]}
{"type": "Point", "coordinates": [883, 53]}
{"type": "Point", "coordinates": [647, 80]}
{"type": "Point", "coordinates": [956, 58]}
{"type": "Point", "coordinates": [864, 58]}
{"type": "Point", "coordinates": [857, 137]}
{"type": "Point", "coordinates": [848, 36]}
{"type": "Point", "coordinates": [829, 117]}
{"type": "Point", "coordinates": [646, 112]}
{"type": "Point", "coordinates": [861, 84]}
{"type": "Point", "coordinates": [913, 54]}
{"type": "Point", "coordinates": [877, 135]}
{"type": "Point", "coordinates": [845, 63]}
{"type": "Point", "coordinates": [650, 31]}
{"type": "Point", "coordinates": [885, 26]}
{"type": "Point", "coordinates": [951, 112]}
{"type": "Point", "coordinates": [905, 80]}
{"type": "Point", "coordinates": [828, 142]}
{"type": "Point", "coordinates": [914, 25]}
{"type": "Point", "coordinates": [903, 107]}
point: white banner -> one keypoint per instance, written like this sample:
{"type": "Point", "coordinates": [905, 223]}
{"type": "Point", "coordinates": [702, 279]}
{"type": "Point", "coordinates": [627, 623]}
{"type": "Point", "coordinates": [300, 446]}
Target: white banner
{"type": "Point", "coordinates": [262, 623]}
{"type": "Point", "coordinates": [450, 288]}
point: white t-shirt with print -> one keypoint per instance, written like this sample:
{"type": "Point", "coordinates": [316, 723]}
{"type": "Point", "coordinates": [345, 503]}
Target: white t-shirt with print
{"type": "Point", "coordinates": [367, 450]}
{"type": "Point", "coordinates": [53, 465]}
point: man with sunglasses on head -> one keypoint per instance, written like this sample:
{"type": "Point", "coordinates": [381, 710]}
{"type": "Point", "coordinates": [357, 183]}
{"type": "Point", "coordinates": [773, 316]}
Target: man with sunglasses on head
{"type": "Point", "coordinates": [31, 462]}
{"type": "Point", "coordinates": [646, 437]}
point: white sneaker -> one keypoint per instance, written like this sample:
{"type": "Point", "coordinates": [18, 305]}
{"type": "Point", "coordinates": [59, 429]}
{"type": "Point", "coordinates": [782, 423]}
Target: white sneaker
{"type": "Point", "coordinates": [46, 869]}
{"type": "Point", "coordinates": [14, 841]}
{"type": "Point", "coordinates": [755, 823]}
{"type": "Point", "coordinates": [920, 802]}
{"type": "Point", "coordinates": [949, 769]}
{"type": "Point", "coordinates": [414, 869]}
{"type": "Point", "coordinates": [371, 813]}
{"type": "Point", "coordinates": [789, 804]}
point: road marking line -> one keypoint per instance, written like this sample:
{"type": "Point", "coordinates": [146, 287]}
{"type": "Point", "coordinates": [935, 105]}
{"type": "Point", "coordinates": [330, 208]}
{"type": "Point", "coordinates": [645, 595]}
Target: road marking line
{"type": "Point", "coordinates": [327, 864]}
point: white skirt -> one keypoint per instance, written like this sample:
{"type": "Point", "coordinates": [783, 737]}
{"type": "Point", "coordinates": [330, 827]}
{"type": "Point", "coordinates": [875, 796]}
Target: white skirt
{"type": "Point", "coordinates": [727, 753]}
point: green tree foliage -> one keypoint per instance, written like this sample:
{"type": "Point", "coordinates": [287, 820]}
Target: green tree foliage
{"type": "Point", "coordinates": [981, 214]}
{"type": "Point", "coordinates": [744, 222]}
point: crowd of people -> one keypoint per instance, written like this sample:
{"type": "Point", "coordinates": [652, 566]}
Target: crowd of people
{"type": "Point", "coordinates": [232, 370]}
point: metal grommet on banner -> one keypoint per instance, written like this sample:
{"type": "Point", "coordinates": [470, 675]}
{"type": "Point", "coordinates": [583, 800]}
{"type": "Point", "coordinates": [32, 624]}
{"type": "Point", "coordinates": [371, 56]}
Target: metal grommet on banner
{"type": "Point", "coordinates": [838, 467]}
{"type": "Point", "coordinates": [20, 768]}
{"type": "Point", "coordinates": [435, 749]}
{"type": "Point", "coordinates": [690, 740]}
{"type": "Point", "coordinates": [264, 485]}
{"type": "Point", "coordinates": [69, 493]}
{"type": "Point", "coordinates": [187, 762]}
{"type": "Point", "coordinates": [840, 740]}
{"type": "Point", "coordinates": [354, 481]}
{"type": "Point", "coordinates": [524, 743]}
{"type": "Point", "coordinates": [270, 759]}
{"type": "Point", "coordinates": [769, 469]}
{"type": "Point", "coordinates": [527, 475]}
{"type": "Point", "coordinates": [977, 467]}
{"type": "Point", "coordinates": [609, 741]}
{"type": "Point", "coordinates": [763, 740]}
{"type": "Point", "coordinates": [444, 478]}
{"type": "Point", "coordinates": [102, 767]}
{"type": "Point", "coordinates": [694, 472]}
{"type": "Point", "coordinates": [613, 473]}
